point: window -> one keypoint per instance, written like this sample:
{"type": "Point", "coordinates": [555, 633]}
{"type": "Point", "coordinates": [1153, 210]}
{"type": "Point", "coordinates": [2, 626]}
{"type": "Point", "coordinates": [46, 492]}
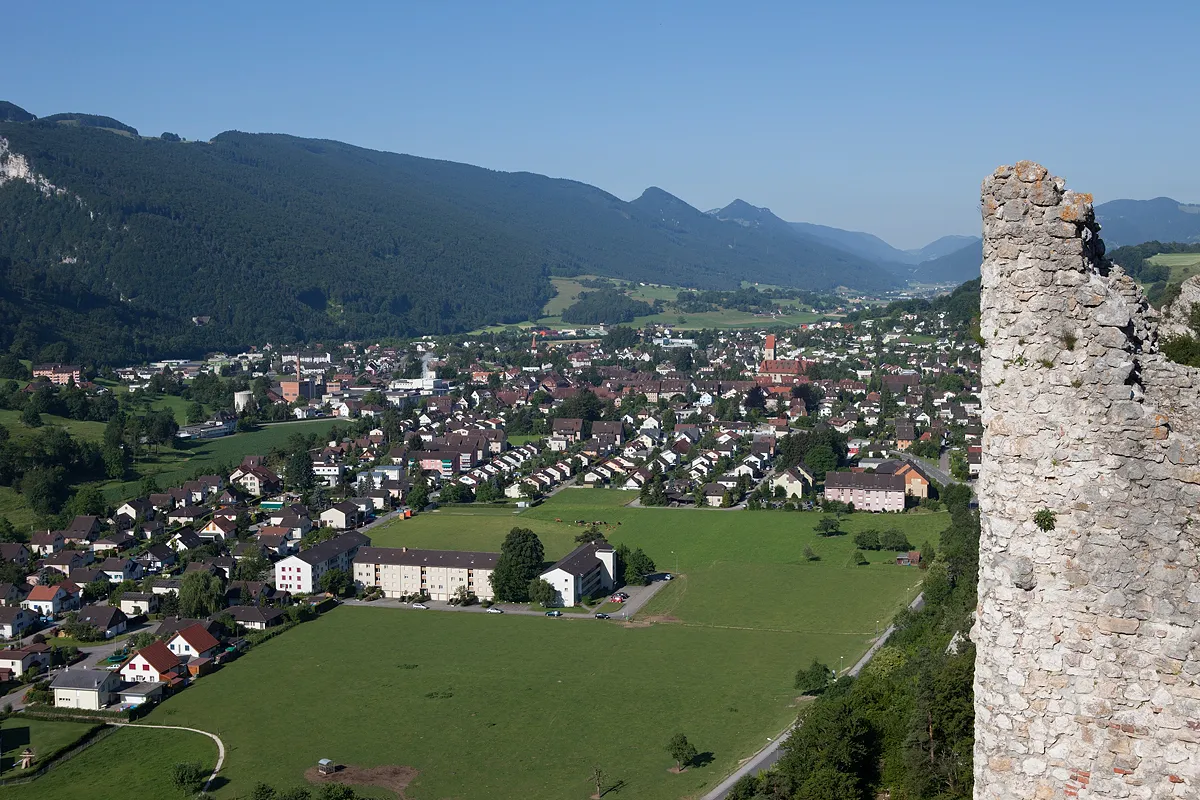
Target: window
{"type": "Point", "coordinates": [146, 667]}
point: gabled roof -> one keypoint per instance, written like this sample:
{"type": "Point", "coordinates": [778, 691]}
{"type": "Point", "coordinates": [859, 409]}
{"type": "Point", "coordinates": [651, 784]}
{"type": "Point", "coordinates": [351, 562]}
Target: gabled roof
{"type": "Point", "coordinates": [198, 637]}
{"type": "Point", "coordinates": [41, 592]}
{"type": "Point", "coordinates": [159, 657]}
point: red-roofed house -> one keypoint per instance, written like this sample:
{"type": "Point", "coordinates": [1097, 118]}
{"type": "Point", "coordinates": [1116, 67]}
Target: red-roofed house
{"type": "Point", "coordinates": [193, 641]}
{"type": "Point", "coordinates": [48, 600]}
{"type": "Point", "coordinates": [153, 663]}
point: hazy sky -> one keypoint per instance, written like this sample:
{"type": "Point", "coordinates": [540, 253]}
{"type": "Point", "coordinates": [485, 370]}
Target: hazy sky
{"type": "Point", "coordinates": [878, 116]}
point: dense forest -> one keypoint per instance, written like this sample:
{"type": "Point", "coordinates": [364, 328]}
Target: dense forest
{"type": "Point", "coordinates": [904, 728]}
{"type": "Point", "coordinates": [172, 248]}
{"type": "Point", "coordinates": [607, 306]}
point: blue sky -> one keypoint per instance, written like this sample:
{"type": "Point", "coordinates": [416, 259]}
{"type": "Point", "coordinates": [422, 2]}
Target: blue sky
{"type": "Point", "coordinates": [877, 116]}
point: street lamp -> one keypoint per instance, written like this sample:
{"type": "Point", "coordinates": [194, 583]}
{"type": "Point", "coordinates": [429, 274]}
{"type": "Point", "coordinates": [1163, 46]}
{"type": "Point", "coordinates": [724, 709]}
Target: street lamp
{"type": "Point", "coordinates": [676, 560]}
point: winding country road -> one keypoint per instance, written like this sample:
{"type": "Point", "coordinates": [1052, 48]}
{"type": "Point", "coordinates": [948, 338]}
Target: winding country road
{"type": "Point", "coordinates": [213, 736]}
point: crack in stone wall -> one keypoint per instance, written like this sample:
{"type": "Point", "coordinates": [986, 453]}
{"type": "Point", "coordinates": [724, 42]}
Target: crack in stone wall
{"type": "Point", "coordinates": [1087, 679]}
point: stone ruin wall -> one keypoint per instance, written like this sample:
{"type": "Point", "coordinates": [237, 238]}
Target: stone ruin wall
{"type": "Point", "coordinates": [1087, 679]}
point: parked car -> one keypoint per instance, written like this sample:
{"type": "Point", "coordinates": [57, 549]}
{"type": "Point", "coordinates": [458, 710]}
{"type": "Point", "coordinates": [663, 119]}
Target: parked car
{"type": "Point", "coordinates": [420, 605]}
{"type": "Point", "coordinates": [668, 576]}
{"type": "Point", "coordinates": [600, 615]}
{"type": "Point", "coordinates": [495, 610]}
{"type": "Point", "coordinates": [553, 613]}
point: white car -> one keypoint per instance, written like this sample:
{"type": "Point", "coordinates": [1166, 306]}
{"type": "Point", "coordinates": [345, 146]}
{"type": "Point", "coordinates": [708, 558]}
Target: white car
{"type": "Point", "coordinates": [495, 610]}
{"type": "Point", "coordinates": [421, 606]}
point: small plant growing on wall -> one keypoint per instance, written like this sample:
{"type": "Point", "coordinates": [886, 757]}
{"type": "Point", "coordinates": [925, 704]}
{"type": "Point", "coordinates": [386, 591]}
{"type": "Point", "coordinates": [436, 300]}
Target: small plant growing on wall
{"type": "Point", "coordinates": [1044, 519]}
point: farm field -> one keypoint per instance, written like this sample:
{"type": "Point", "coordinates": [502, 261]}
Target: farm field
{"type": "Point", "coordinates": [42, 736]}
{"type": "Point", "coordinates": [1183, 265]}
{"type": "Point", "coordinates": [500, 707]}
{"type": "Point", "coordinates": [105, 771]}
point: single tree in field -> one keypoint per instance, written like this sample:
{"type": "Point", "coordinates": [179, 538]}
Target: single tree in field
{"type": "Point", "coordinates": [828, 526]}
{"type": "Point", "coordinates": [598, 777]}
{"type": "Point", "coordinates": [187, 776]}
{"type": "Point", "coordinates": [681, 750]}
{"type": "Point", "coordinates": [813, 680]}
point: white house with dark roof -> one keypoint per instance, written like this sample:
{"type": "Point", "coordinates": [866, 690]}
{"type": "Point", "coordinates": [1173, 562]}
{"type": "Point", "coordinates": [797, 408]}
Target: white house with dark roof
{"type": "Point", "coordinates": [587, 571]}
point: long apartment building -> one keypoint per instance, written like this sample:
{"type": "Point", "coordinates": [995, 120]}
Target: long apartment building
{"type": "Point", "coordinates": [301, 573]}
{"type": "Point", "coordinates": [401, 571]}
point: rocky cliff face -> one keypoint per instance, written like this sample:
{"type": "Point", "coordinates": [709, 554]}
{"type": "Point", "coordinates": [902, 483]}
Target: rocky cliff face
{"type": "Point", "coordinates": [1087, 681]}
{"type": "Point", "coordinates": [1176, 318]}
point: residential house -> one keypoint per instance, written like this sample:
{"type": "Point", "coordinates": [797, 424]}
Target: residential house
{"type": "Point", "coordinates": [401, 571]}
{"type": "Point", "coordinates": [109, 620]}
{"type": "Point", "coordinates": [14, 621]}
{"type": "Point", "coordinates": [256, 618]}
{"type": "Point", "coordinates": [120, 569]}
{"type": "Point", "coordinates": [90, 689]}
{"type": "Point", "coordinates": [301, 573]}
{"type": "Point", "coordinates": [135, 604]}
{"type": "Point", "coordinates": [46, 601]}
{"type": "Point", "coordinates": [15, 552]}
{"type": "Point", "coordinates": [10, 594]}
{"type": "Point", "coordinates": [47, 543]}
{"type": "Point", "coordinates": [256, 480]}
{"type": "Point", "coordinates": [218, 529]}
{"type": "Point", "coordinates": [916, 481]}
{"type": "Point", "coordinates": [154, 663]}
{"type": "Point", "coordinates": [587, 571]}
{"type": "Point", "coordinates": [193, 642]}
{"type": "Point", "coordinates": [343, 516]}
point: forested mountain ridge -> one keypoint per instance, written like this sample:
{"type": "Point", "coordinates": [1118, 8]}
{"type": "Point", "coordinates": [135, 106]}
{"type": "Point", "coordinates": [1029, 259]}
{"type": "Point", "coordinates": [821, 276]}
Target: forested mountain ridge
{"type": "Point", "coordinates": [268, 237]}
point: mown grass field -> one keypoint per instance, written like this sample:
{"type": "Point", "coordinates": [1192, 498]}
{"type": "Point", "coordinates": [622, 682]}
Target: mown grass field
{"type": "Point", "coordinates": [499, 708]}
{"type": "Point", "coordinates": [42, 736]}
{"type": "Point", "coordinates": [1183, 265]}
{"type": "Point", "coordinates": [511, 707]}
{"type": "Point", "coordinates": [133, 762]}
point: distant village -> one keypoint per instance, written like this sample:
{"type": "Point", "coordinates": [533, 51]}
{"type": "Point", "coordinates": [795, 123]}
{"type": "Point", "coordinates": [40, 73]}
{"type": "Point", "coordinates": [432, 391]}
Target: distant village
{"type": "Point", "coordinates": [871, 416]}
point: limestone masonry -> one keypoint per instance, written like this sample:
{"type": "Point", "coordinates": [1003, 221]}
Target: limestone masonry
{"type": "Point", "coordinates": [1087, 681]}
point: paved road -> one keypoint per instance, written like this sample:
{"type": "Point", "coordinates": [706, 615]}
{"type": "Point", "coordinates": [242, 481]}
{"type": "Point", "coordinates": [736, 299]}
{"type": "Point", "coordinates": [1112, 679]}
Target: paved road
{"type": "Point", "coordinates": [941, 474]}
{"type": "Point", "coordinates": [638, 597]}
{"type": "Point", "coordinates": [764, 759]}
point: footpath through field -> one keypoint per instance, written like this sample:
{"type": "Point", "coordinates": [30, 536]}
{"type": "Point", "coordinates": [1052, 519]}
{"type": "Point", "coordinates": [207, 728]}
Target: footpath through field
{"type": "Point", "coordinates": [764, 759]}
{"type": "Point", "coordinates": [220, 745]}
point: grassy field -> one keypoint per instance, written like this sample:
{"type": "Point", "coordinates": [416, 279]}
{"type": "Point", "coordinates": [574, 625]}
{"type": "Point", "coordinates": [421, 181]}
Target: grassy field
{"type": "Point", "coordinates": [511, 707]}
{"type": "Point", "coordinates": [43, 736]}
{"type": "Point", "coordinates": [130, 763]}
{"type": "Point", "coordinates": [505, 708]}
{"type": "Point", "coordinates": [1183, 265]}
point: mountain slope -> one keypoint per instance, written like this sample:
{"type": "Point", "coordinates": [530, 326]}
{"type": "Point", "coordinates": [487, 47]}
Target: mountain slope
{"type": "Point", "coordinates": [836, 266]}
{"type": "Point", "coordinates": [941, 247]}
{"type": "Point", "coordinates": [1125, 222]}
{"type": "Point", "coordinates": [866, 245]}
{"type": "Point", "coordinates": [275, 237]}
{"type": "Point", "coordinates": [955, 267]}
